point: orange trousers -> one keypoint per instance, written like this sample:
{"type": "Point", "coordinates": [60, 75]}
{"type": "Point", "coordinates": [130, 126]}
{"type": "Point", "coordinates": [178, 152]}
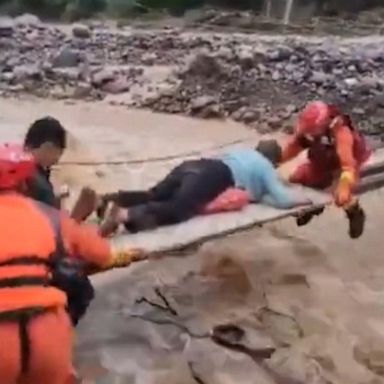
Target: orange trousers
{"type": "Point", "coordinates": [50, 360]}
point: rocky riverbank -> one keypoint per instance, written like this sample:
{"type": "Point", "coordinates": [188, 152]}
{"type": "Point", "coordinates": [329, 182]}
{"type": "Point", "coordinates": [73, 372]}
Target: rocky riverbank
{"type": "Point", "coordinates": [259, 80]}
{"type": "Point", "coordinates": [301, 292]}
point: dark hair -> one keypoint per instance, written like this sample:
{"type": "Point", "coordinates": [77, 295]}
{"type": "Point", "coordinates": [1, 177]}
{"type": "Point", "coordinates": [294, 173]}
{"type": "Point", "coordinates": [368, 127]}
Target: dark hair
{"type": "Point", "coordinates": [44, 130]}
{"type": "Point", "coordinates": [271, 149]}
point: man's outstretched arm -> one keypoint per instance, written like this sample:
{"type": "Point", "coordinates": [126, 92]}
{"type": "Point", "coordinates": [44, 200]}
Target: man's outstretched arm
{"type": "Point", "coordinates": [83, 241]}
{"type": "Point", "coordinates": [280, 196]}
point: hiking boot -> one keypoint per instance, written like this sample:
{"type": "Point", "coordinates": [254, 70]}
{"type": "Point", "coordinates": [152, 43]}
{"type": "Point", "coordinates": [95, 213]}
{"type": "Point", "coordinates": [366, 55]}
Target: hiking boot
{"type": "Point", "coordinates": [305, 217]}
{"type": "Point", "coordinates": [85, 205]}
{"type": "Point", "coordinates": [356, 217]}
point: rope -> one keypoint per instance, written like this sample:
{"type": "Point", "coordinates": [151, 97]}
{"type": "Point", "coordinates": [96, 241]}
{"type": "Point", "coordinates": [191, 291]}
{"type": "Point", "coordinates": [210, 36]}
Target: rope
{"type": "Point", "coordinates": [375, 145]}
{"type": "Point", "coordinates": [154, 159]}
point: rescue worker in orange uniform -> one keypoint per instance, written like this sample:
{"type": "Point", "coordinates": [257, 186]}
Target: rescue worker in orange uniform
{"type": "Point", "coordinates": [336, 151]}
{"type": "Point", "coordinates": [35, 329]}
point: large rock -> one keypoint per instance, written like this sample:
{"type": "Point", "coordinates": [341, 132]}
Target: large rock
{"type": "Point", "coordinates": [246, 115]}
{"type": "Point", "coordinates": [202, 102]}
{"type": "Point", "coordinates": [81, 31]}
{"type": "Point", "coordinates": [118, 85]}
{"type": "Point", "coordinates": [149, 58]}
{"type": "Point", "coordinates": [27, 20]}
{"type": "Point", "coordinates": [66, 74]}
{"type": "Point", "coordinates": [103, 76]}
{"type": "Point", "coordinates": [7, 27]}
{"type": "Point", "coordinates": [320, 78]}
{"type": "Point", "coordinates": [66, 57]}
{"type": "Point", "coordinates": [82, 91]}
{"type": "Point", "coordinates": [24, 72]}
{"type": "Point", "coordinates": [205, 65]}
{"type": "Point", "coordinates": [246, 58]}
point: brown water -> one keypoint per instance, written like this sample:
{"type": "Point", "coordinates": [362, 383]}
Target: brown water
{"type": "Point", "coordinates": [324, 293]}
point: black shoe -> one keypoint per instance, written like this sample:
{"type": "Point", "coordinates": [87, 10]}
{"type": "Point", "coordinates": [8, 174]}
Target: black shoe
{"type": "Point", "coordinates": [304, 218]}
{"type": "Point", "coordinates": [356, 218]}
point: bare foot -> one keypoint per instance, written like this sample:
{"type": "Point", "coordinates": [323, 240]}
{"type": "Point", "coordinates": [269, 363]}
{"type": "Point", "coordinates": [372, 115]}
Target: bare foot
{"type": "Point", "coordinates": [85, 205]}
{"type": "Point", "coordinates": [64, 192]}
{"type": "Point", "coordinates": [103, 202]}
{"type": "Point", "coordinates": [101, 208]}
{"type": "Point", "coordinates": [114, 215]}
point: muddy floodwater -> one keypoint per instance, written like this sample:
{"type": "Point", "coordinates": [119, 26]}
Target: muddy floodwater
{"type": "Point", "coordinates": [311, 293]}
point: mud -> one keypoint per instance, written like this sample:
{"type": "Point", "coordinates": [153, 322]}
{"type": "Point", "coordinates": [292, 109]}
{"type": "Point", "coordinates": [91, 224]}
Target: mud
{"type": "Point", "coordinates": [310, 294]}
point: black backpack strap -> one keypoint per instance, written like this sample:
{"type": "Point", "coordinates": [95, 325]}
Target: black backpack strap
{"type": "Point", "coordinates": [54, 218]}
{"type": "Point", "coordinates": [68, 274]}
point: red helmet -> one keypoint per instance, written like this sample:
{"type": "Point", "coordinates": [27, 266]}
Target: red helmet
{"type": "Point", "coordinates": [16, 165]}
{"type": "Point", "coordinates": [314, 119]}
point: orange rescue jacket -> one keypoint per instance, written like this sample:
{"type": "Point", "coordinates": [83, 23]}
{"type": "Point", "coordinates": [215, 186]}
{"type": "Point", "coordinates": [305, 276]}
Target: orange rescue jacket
{"type": "Point", "coordinates": [27, 242]}
{"type": "Point", "coordinates": [342, 142]}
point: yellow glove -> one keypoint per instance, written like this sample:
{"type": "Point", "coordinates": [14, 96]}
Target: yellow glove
{"type": "Point", "coordinates": [343, 193]}
{"type": "Point", "coordinates": [348, 177]}
{"type": "Point", "coordinates": [123, 258]}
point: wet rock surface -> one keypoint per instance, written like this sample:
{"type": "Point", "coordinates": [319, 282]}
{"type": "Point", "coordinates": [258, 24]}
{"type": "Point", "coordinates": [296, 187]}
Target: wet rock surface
{"type": "Point", "coordinates": [258, 80]}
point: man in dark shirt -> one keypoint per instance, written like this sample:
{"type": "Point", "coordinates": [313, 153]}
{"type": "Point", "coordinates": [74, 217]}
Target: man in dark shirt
{"type": "Point", "coordinates": [46, 139]}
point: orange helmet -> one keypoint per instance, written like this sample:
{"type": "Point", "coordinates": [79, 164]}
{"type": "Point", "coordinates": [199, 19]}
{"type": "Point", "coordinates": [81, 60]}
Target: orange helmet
{"type": "Point", "coordinates": [314, 119]}
{"type": "Point", "coordinates": [16, 165]}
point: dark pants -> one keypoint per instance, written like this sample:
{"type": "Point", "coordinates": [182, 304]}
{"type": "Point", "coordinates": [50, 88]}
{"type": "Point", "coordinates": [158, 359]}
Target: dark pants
{"type": "Point", "coordinates": [178, 197]}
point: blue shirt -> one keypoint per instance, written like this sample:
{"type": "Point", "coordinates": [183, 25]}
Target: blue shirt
{"type": "Point", "coordinates": [256, 174]}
